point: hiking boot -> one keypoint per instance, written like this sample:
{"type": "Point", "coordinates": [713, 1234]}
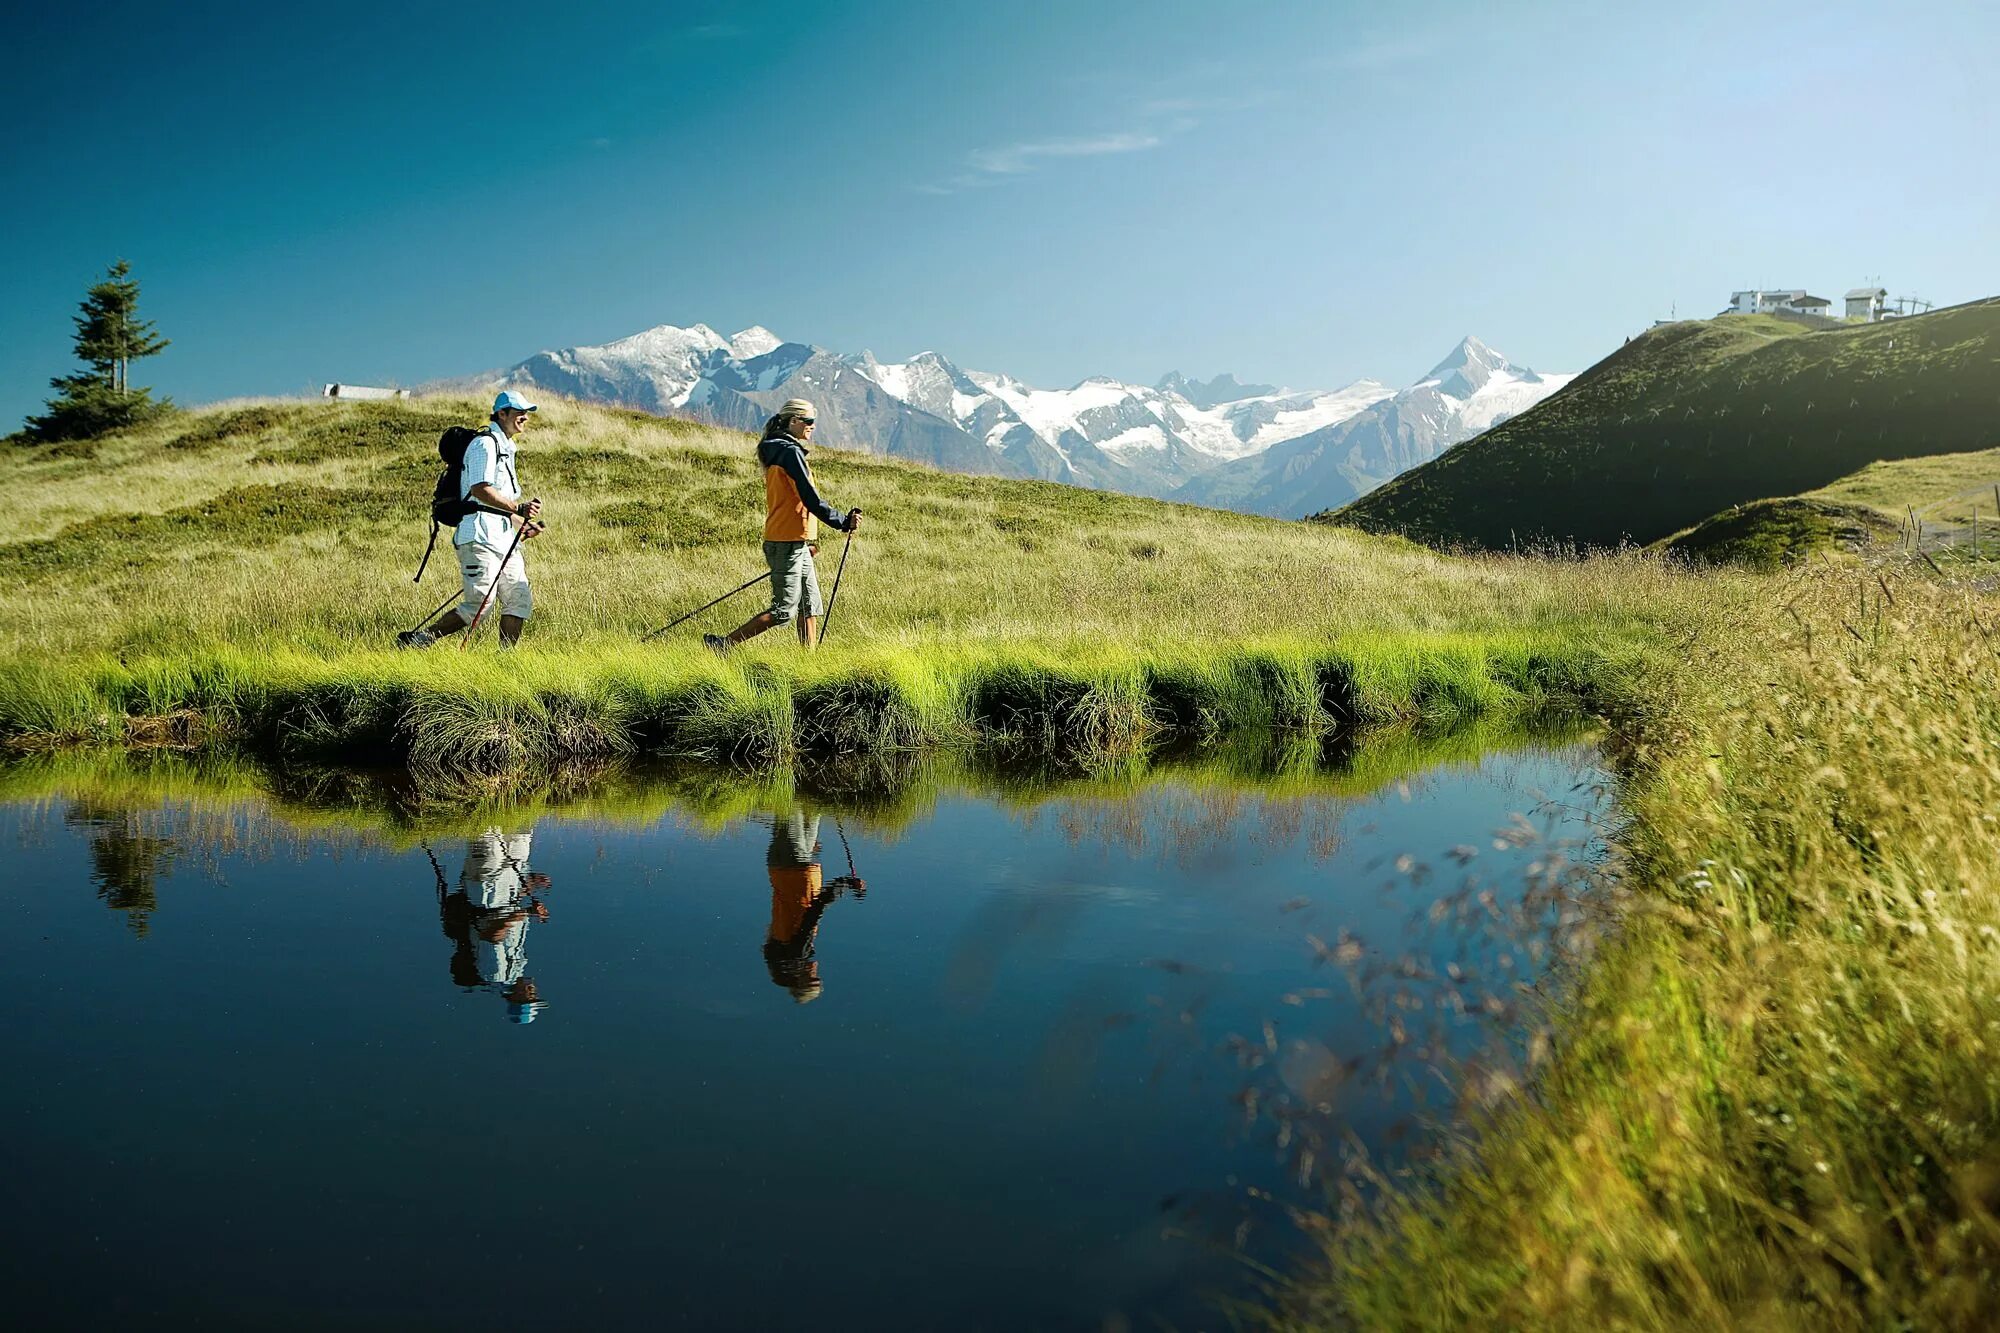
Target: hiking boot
{"type": "Point", "coordinates": [716, 644]}
{"type": "Point", "coordinates": [415, 638]}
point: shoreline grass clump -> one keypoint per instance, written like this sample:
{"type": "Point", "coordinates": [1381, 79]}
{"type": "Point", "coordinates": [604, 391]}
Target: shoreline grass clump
{"type": "Point", "coordinates": [482, 715]}
{"type": "Point", "coordinates": [1772, 1100]}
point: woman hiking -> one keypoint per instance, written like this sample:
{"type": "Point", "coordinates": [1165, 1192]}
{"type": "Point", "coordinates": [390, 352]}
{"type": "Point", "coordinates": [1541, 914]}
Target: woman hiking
{"type": "Point", "coordinates": [793, 513]}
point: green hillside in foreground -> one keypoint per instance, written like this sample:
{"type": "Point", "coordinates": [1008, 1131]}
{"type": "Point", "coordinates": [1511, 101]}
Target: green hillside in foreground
{"type": "Point", "coordinates": [1692, 418]}
{"type": "Point", "coordinates": [298, 525]}
{"type": "Point", "coordinates": [240, 573]}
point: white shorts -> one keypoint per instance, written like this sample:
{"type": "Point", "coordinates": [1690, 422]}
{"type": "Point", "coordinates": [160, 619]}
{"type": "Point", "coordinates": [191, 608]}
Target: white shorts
{"type": "Point", "coordinates": [478, 566]}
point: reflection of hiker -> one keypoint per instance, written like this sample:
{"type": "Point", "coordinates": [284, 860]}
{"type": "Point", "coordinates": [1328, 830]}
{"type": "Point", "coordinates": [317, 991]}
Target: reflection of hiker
{"type": "Point", "coordinates": [793, 513]}
{"type": "Point", "coordinates": [484, 539]}
{"type": "Point", "coordinates": [798, 898]}
{"type": "Point", "coordinates": [487, 918]}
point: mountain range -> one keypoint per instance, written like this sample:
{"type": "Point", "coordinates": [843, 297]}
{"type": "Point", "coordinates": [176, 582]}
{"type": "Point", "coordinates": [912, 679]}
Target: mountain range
{"type": "Point", "coordinates": [1250, 447]}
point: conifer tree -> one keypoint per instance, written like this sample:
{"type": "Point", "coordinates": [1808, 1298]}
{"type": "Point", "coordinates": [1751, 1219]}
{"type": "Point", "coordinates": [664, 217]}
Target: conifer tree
{"type": "Point", "coordinates": [109, 337]}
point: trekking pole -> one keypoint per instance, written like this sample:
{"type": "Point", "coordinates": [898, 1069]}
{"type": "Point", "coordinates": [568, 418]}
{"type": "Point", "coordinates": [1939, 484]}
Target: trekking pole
{"type": "Point", "coordinates": [650, 635]}
{"type": "Point", "coordinates": [853, 879]}
{"type": "Point", "coordinates": [436, 612]}
{"type": "Point", "coordinates": [512, 546]}
{"type": "Point", "coordinates": [845, 849]}
{"type": "Point", "coordinates": [444, 889]}
{"type": "Point", "coordinates": [826, 621]}
{"type": "Point", "coordinates": [484, 509]}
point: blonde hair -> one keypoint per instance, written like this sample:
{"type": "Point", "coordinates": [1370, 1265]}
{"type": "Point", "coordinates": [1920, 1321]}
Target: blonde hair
{"type": "Point", "coordinates": [776, 424]}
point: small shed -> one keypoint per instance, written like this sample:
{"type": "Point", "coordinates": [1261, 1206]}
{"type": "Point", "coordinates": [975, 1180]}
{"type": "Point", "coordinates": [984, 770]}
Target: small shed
{"type": "Point", "coordinates": [1867, 303]}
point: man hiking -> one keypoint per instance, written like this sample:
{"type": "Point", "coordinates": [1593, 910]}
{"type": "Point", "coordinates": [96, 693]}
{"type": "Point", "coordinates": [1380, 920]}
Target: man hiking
{"type": "Point", "coordinates": [793, 513]}
{"type": "Point", "coordinates": [485, 538]}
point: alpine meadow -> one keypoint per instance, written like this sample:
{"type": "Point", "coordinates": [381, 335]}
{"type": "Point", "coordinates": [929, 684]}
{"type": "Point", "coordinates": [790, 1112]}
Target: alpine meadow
{"type": "Point", "coordinates": [907, 667]}
{"type": "Point", "coordinates": [1767, 1100]}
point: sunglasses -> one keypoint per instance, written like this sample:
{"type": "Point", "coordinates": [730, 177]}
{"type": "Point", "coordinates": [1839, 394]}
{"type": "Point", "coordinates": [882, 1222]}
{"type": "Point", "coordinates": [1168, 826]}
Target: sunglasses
{"type": "Point", "coordinates": [807, 421]}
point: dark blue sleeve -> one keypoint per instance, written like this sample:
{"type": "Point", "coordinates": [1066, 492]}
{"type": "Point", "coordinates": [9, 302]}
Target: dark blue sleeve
{"type": "Point", "coordinates": [794, 463]}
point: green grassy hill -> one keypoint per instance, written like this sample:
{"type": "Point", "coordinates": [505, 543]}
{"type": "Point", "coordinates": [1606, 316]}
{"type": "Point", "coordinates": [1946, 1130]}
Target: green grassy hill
{"type": "Point", "coordinates": [1690, 419]}
{"type": "Point", "coordinates": [243, 570]}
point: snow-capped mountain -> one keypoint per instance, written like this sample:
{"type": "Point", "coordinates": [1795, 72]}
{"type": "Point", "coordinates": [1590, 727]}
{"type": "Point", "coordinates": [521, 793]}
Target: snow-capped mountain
{"type": "Point", "coordinates": [1158, 441]}
{"type": "Point", "coordinates": [1470, 390]}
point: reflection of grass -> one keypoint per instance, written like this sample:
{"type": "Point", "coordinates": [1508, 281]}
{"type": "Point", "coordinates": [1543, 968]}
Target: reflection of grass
{"type": "Point", "coordinates": [386, 803]}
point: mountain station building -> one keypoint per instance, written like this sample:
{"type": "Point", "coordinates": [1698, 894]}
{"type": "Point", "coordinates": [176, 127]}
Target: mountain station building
{"type": "Point", "coordinates": [1790, 301]}
{"type": "Point", "coordinates": [1867, 303]}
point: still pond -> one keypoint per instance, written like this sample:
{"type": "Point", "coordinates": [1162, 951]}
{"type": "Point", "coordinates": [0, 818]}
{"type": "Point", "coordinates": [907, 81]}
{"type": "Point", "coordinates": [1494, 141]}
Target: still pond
{"type": "Point", "coordinates": [1004, 1060]}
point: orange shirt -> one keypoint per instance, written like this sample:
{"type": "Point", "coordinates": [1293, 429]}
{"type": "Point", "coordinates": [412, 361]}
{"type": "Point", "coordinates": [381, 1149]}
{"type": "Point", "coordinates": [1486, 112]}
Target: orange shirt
{"type": "Point", "coordinates": [793, 890]}
{"type": "Point", "coordinates": [786, 518]}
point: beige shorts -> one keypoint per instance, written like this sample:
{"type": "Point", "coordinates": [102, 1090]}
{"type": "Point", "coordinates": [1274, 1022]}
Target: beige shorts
{"type": "Point", "coordinates": [794, 580]}
{"type": "Point", "coordinates": [478, 566]}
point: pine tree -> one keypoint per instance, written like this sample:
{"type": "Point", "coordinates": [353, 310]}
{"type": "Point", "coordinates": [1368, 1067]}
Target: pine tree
{"type": "Point", "coordinates": [109, 337]}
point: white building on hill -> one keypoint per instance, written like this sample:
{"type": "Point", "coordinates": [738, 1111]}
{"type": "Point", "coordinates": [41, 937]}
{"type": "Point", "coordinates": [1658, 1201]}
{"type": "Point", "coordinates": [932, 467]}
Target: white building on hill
{"type": "Point", "coordinates": [1867, 303]}
{"type": "Point", "coordinates": [1790, 301]}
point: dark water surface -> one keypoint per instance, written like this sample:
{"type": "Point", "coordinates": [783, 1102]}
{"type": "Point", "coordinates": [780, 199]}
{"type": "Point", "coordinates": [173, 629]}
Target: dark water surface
{"type": "Point", "coordinates": [1021, 1063]}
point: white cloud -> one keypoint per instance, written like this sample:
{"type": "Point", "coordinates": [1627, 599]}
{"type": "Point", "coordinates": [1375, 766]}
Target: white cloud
{"type": "Point", "coordinates": [1381, 53]}
{"type": "Point", "coordinates": [1016, 158]}
{"type": "Point", "coordinates": [990, 166]}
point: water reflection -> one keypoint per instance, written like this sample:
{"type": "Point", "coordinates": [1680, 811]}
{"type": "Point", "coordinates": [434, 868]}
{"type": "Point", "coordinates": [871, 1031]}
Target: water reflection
{"type": "Point", "coordinates": [1079, 1026]}
{"type": "Point", "coordinates": [486, 918]}
{"type": "Point", "coordinates": [126, 861]}
{"type": "Point", "coordinates": [800, 895]}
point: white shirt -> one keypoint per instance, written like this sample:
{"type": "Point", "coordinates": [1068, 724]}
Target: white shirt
{"type": "Point", "coordinates": [489, 459]}
{"type": "Point", "coordinates": [495, 865]}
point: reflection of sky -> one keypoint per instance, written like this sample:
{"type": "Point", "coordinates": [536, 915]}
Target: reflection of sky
{"type": "Point", "coordinates": [278, 1102]}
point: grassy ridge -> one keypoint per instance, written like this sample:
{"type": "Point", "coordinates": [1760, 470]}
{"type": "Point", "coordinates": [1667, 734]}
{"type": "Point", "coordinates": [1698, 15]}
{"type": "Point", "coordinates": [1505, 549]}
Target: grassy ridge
{"type": "Point", "coordinates": [1943, 487]}
{"type": "Point", "coordinates": [1691, 418]}
{"type": "Point", "coordinates": [236, 574]}
{"type": "Point", "coordinates": [1772, 534]}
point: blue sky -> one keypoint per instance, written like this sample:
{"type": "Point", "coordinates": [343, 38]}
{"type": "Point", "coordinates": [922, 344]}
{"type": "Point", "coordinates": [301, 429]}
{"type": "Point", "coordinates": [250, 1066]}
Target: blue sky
{"type": "Point", "coordinates": [1304, 193]}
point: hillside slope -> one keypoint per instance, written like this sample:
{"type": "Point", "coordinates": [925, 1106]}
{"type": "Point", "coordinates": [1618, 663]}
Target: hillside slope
{"type": "Point", "coordinates": [291, 524]}
{"type": "Point", "coordinates": [1691, 418]}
